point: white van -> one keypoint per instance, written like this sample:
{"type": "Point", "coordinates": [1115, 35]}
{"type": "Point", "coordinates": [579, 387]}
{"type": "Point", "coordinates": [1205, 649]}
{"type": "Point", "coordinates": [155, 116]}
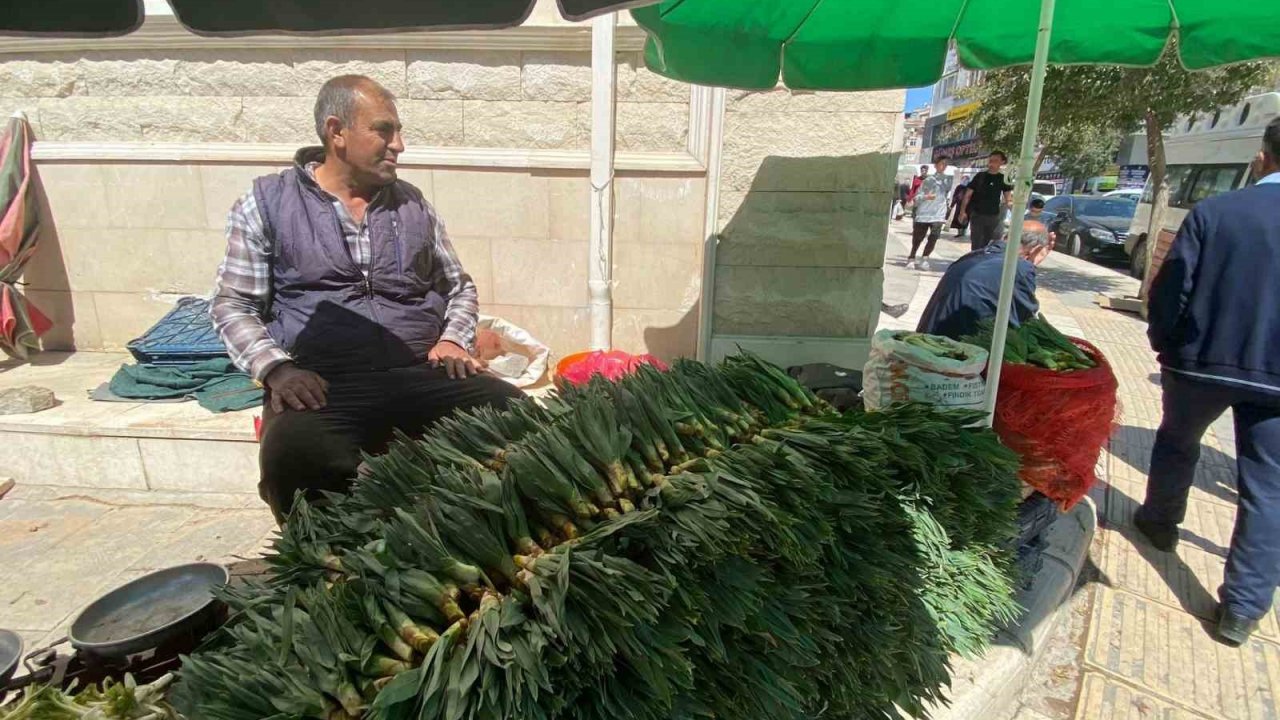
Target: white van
{"type": "Point", "coordinates": [1205, 155]}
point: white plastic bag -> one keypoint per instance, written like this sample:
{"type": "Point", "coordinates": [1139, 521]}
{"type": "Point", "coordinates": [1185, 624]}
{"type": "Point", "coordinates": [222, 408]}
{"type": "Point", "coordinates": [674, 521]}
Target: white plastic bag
{"type": "Point", "coordinates": [512, 353]}
{"type": "Point", "coordinates": [900, 371]}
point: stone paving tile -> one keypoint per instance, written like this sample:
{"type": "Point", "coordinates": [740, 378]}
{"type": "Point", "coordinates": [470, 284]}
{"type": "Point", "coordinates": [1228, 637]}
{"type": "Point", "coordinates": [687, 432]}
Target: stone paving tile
{"type": "Point", "coordinates": [1208, 523]}
{"type": "Point", "coordinates": [1104, 698]}
{"type": "Point", "coordinates": [1171, 655]}
{"type": "Point", "coordinates": [29, 529]}
{"type": "Point", "coordinates": [44, 589]}
{"type": "Point", "coordinates": [116, 497]}
{"type": "Point", "coordinates": [215, 537]}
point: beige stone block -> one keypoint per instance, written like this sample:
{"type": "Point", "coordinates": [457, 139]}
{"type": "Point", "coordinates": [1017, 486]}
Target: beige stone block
{"type": "Point", "coordinates": [315, 67]}
{"type": "Point", "coordinates": [421, 178]}
{"type": "Point", "coordinates": [529, 272]}
{"type": "Point", "coordinates": [280, 119]}
{"type": "Point", "coordinates": [652, 126]}
{"type": "Point", "coordinates": [125, 316]}
{"type": "Point", "coordinates": [784, 100]}
{"type": "Point", "coordinates": [797, 301]}
{"type": "Point", "coordinates": [867, 173]}
{"type": "Point", "coordinates": [431, 123]}
{"type": "Point", "coordinates": [194, 257]}
{"type": "Point", "coordinates": [628, 212]}
{"type": "Point", "coordinates": [528, 124]}
{"type": "Point", "coordinates": [76, 193]}
{"type": "Point", "coordinates": [74, 317]}
{"type": "Point", "coordinates": [115, 260]}
{"type": "Point", "coordinates": [476, 257]}
{"type": "Point", "coordinates": [640, 84]}
{"type": "Point", "coordinates": [750, 138]}
{"type": "Point", "coordinates": [29, 106]}
{"type": "Point", "coordinates": [121, 73]}
{"type": "Point", "coordinates": [88, 118]}
{"type": "Point", "coordinates": [672, 209]}
{"type": "Point", "coordinates": [667, 334]}
{"type": "Point", "coordinates": [557, 76]}
{"type": "Point", "coordinates": [222, 185]}
{"type": "Point", "coordinates": [569, 209]}
{"type": "Point", "coordinates": [189, 119]}
{"type": "Point", "coordinates": [48, 459]}
{"type": "Point", "coordinates": [657, 276]}
{"type": "Point", "coordinates": [820, 229]}
{"type": "Point", "coordinates": [500, 204]}
{"type": "Point", "coordinates": [565, 330]}
{"type": "Point", "coordinates": [237, 73]}
{"type": "Point", "coordinates": [155, 196]}
{"type": "Point", "coordinates": [224, 466]}
{"type": "Point", "coordinates": [464, 74]}
{"type": "Point", "coordinates": [53, 75]}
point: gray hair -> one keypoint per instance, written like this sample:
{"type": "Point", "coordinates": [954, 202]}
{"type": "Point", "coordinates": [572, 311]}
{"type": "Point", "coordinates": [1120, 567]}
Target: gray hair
{"type": "Point", "coordinates": [1034, 236]}
{"type": "Point", "coordinates": [337, 98]}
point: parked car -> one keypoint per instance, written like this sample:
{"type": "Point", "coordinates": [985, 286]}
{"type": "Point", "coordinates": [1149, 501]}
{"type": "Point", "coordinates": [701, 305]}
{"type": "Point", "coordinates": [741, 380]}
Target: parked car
{"type": "Point", "coordinates": [1088, 225]}
{"type": "Point", "coordinates": [1133, 194]}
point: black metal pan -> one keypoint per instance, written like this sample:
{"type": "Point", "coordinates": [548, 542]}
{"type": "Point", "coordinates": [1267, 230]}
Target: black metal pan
{"type": "Point", "coordinates": [10, 653]}
{"type": "Point", "coordinates": [146, 612]}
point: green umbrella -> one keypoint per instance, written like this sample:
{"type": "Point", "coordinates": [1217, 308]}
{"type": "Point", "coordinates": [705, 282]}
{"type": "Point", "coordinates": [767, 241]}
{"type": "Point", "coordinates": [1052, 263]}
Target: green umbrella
{"type": "Point", "coordinates": [866, 44]}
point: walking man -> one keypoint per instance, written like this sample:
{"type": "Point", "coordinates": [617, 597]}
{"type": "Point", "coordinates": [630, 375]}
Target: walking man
{"type": "Point", "coordinates": [953, 209]}
{"type": "Point", "coordinates": [1215, 324]}
{"type": "Point", "coordinates": [931, 212]}
{"type": "Point", "coordinates": [985, 202]}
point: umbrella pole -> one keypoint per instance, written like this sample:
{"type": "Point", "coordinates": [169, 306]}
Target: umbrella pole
{"type": "Point", "coordinates": [1026, 164]}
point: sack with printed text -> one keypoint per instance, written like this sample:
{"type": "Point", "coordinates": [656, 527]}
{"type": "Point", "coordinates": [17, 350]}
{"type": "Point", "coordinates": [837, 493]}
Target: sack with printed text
{"type": "Point", "coordinates": [931, 369]}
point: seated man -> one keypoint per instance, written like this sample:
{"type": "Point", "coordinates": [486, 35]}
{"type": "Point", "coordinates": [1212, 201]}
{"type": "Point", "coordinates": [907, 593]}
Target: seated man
{"type": "Point", "coordinates": [970, 289]}
{"type": "Point", "coordinates": [342, 294]}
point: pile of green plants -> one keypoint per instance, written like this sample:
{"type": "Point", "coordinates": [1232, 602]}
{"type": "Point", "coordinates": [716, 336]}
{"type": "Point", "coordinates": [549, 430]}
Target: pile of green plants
{"type": "Point", "coordinates": [1035, 342]}
{"type": "Point", "coordinates": [704, 542]}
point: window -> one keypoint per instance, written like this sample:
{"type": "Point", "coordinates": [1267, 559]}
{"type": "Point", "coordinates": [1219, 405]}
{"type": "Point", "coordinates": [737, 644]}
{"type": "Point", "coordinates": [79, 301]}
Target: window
{"type": "Point", "coordinates": [1054, 205]}
{"type": "Point", "coordinates": [1216, 117]}
{"type": "Point", "coordinates": [1213, 180]}
{"type": "Point", "coordinates": [1176, 176]}
{"type": "Point", "coordinates": [1244, 113]}
{"type": "Point", "coordinates": [1107, 207]}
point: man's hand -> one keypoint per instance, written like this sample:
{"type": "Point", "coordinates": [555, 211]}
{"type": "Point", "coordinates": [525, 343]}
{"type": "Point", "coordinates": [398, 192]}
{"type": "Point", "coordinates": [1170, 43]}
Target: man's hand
{"type": "Point", "coordinates": [296, 388]}
{"type": "Point", "coordinates": [456, 361]}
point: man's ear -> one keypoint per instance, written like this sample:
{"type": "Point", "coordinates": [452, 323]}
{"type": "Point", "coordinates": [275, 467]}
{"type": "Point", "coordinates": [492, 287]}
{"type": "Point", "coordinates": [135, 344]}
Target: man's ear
{"type": "Point", "coordinates": [333, 130]}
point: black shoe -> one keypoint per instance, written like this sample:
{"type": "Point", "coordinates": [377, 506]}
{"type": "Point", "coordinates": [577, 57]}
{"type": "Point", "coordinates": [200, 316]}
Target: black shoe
{"type": "Point", "coordinates": [1232, 629]}
{"type": "Point", "coordinates": [1163, 537]}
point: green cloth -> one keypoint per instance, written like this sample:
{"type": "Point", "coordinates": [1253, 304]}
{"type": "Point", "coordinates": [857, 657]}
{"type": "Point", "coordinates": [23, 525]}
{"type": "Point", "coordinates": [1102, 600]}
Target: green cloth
{"type": "Point", "coordinates": [216, 384]}
{"type": "Point", "coordinates": [866, 44]}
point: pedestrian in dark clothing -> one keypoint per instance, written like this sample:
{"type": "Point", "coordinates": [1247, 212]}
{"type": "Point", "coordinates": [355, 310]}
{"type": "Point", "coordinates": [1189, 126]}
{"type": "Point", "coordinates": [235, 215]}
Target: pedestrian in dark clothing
{"type": "Point", "coordinates": [1214, 311]}
{"type": "Point", "coordinates": [985, 202]}
{"type": "Point", "coordinates": [969, 291]}
{"type": "Point", "coordinates": [953, 210]}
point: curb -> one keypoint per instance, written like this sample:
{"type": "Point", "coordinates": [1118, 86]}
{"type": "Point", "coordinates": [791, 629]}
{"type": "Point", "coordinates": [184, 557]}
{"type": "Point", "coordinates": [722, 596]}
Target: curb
{"type": "Point", "coordinates": [988, 686]}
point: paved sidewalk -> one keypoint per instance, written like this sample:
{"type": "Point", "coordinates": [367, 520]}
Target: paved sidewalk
{"type": "Point", "coordinates": [1137, 644]}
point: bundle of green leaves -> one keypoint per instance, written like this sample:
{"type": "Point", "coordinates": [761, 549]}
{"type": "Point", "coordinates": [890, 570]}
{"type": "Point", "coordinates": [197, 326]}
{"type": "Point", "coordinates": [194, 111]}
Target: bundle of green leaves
{"type": "Point", "coordinates": [704, 542]}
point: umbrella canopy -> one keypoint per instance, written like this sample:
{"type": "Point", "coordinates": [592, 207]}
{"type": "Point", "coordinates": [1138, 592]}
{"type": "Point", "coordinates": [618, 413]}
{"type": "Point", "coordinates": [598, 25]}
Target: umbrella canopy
{"type": "Point", "coordinates": [105, 18]}
{"type": "Point", "coordinates": [865, 44]}
{"type": "Point", "coordinates": [20, 322]}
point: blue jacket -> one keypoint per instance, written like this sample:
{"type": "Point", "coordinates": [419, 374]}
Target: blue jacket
{"type": "Point", "coordinates": [970, 291]}
{"type": "Point", "coordinates": [1214, 307]}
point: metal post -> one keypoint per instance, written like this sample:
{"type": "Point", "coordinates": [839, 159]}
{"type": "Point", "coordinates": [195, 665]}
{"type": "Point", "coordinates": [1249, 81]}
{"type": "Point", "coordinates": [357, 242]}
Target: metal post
{"type": "Point", "coordinates": [603, 109]}
{"type": "Point", "coordinates": [1026, 164]}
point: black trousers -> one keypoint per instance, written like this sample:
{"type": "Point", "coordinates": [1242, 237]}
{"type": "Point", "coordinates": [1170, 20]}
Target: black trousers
{"type": "Point", "coordinates": [984, 230]}
{"type": "Point", "coordinates": [315, 450]}
{"type": "Point", "coordinates": [918, 232]}
{"type": "Point", "coordinates": [1190, 407]}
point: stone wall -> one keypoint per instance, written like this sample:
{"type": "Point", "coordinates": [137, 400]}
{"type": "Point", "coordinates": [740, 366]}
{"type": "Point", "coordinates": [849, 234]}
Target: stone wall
{"type": "Point", "coordinates": [464, 98]}
{"type": "Point", "coordinates": [804, 208]}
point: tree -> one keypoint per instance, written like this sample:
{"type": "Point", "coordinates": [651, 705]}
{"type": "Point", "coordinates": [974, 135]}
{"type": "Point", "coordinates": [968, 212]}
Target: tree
{"type": "Point", "coordinates": [1084, 104]}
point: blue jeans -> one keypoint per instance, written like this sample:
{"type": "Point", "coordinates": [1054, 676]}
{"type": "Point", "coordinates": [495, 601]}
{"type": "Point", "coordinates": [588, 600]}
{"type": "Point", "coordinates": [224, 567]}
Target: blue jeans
{"type": "Point", "coordinates": [1190, 406]}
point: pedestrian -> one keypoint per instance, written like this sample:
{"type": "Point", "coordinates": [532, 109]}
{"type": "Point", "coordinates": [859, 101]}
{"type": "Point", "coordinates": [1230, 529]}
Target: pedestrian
{"type": "Point", "coordinates": [1036, 212]}
{"type": "Point", "coordinates": [916, 182]}
{"type": "Point", "coordinates": [985, 202]}
{"type": "Point", "coordinates": [969, 291]}
{"type": "Point", "coordinates": [900, 191]}
{"type": "Point", "coordinates": [953, 209]}
{"type": "Point", "coordinates": [931, 212]}
{"type": "Point", "coordinates": [341, 293]}
{"type": "Point", "coordinates": [1214, 323]}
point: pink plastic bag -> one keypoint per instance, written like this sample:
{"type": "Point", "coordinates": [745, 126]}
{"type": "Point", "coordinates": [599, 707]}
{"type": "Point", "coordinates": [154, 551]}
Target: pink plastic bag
{"type": "Point", "coordinates": [577, 369]}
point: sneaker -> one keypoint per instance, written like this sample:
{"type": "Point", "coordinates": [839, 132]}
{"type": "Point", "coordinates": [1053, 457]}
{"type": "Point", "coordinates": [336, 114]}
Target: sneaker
{"type": "Point", "coordinates": [1163, 537]}
{"type": "Point", "coordinates": [926, 265]}
{"type": "Point", "coordinates": [1232, 629]}
{"type": "Point", "coordinates": [911, 265]}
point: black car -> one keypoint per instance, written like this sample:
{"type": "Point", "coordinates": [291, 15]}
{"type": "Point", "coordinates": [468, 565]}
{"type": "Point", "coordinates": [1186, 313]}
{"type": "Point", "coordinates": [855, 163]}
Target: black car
{"type": "Point", "coordinates": [1089, 225]}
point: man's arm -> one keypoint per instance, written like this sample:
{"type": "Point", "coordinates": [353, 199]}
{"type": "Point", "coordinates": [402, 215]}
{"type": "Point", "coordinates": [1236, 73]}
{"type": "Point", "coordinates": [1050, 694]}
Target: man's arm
{"type": "Point", "coordinates": [1172, 286]}
{"type": "Point", "coordinates": [964, 204]}
{"type": "Point", "coordinates": [462, 304]}
{"type": "Point", "coordinates": [1025, 304]}
{"type": "Point", "coordinates": [243, 290]}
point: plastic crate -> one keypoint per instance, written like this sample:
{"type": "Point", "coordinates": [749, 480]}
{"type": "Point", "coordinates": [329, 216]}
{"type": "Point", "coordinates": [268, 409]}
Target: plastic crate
{"type": "Point", "coordinates": [184, 335]}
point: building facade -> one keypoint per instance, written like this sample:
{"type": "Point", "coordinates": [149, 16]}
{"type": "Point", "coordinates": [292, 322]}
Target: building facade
{"type": "Point", "coordinates": [913, 125]}
{"type": "Point", "coordinates": [946, 132]}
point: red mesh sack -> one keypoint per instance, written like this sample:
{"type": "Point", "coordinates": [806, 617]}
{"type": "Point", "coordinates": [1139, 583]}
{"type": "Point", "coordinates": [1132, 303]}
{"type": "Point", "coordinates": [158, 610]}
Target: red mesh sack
{"type": "Point", "coordinates": [578, 368]}
{"type": "Point", "coordinates": [1058, 422]}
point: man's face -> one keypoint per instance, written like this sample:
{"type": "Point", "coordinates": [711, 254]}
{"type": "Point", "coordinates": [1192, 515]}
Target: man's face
{"type": "Point", "coordinates": [924, 170]}
{"type": "Point", "coordinates": [372, 142]}
{"type": "Point", "coordinates": [941, 167]}
{"type": "Point", "coordinates": [994, 163]}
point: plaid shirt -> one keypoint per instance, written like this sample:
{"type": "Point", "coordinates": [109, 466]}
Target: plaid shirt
{"type": "Point", "coordinates": [244, 284]}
